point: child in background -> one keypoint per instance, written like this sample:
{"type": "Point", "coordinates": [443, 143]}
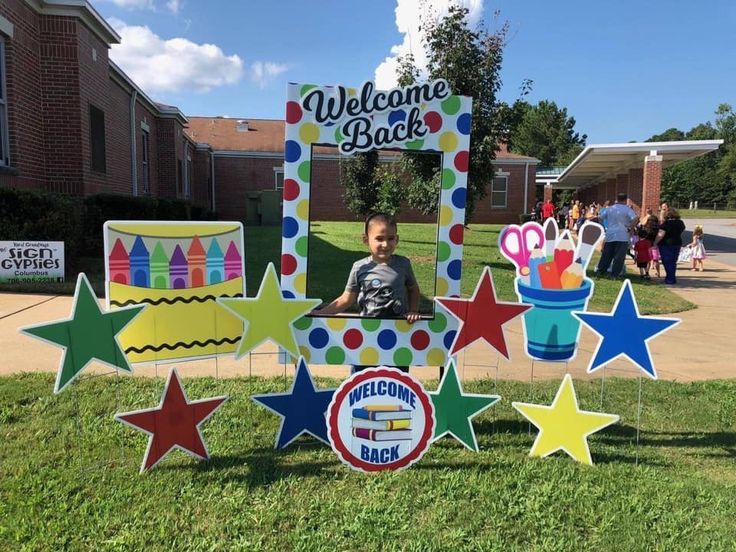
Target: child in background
{"type": "Point", "coordinates": [655, 259]}
{"type": "Point", "coordinates": [698, 249]}
{"type": "Point", "coordinates": [642, 248]}
{"type": "Point", "coordinates": [633, 239]}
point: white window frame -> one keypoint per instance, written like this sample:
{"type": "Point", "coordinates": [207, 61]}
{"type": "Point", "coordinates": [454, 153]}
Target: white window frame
{"type": "Point", "coordinates": [276, 172]}
{"type": "Point", "coordinates": [4, 132]}
{"type": "Point", "coordinates": [505, 177]}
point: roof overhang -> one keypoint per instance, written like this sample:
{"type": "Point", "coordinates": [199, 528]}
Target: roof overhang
{"type": "Point", "coordinates": [600, 162]}
{"type": "Point", "coordinates": [82, 10]}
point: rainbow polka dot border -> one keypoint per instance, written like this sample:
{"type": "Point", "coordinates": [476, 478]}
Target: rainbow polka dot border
{"type": "Point", "coordinates": [349, 340]}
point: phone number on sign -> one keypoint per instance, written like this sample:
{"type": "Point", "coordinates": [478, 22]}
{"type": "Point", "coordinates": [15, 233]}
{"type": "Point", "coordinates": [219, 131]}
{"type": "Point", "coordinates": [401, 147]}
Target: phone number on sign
{"type": "Point", "coordinates": [41, 279]}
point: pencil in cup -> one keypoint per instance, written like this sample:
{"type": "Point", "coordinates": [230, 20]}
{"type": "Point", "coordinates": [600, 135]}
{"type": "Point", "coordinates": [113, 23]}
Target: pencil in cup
{"type": "Point", "coordinates": [572, 276]}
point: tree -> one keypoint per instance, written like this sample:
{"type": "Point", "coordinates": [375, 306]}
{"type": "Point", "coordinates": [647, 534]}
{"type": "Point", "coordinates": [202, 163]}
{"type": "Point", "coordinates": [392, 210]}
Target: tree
{"type": "Point", "coordinates": [370, 186]}
{"type": "Point", "coordinates": [548, 133]}
{"type": "Point", "coordinates": [470, 61]}
{"type": "Point", "coordinates": [669, 135]}
{"type": "Point", "coordinates": [707, 179]}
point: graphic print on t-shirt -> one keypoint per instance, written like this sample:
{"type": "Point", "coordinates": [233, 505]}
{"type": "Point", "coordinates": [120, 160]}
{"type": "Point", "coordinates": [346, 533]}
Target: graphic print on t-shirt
{"type": "Point", "coordinates": [377, 298]}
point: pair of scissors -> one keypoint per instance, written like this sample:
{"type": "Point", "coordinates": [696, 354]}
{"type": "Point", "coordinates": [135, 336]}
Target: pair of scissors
{"type": "Point", "coordinates": [517, 243]}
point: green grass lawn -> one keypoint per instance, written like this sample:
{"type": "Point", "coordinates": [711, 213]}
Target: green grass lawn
{"type": "Point", "coordinates": [71, 482]}
{"type": "Point", "coordinates": [706, 213]}
{"type": "Point", "coordinates": [334, 246]}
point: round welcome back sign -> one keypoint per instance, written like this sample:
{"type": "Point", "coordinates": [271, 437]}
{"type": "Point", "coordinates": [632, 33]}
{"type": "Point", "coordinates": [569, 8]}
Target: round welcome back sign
{"type": "Point", "coordinates": [380, 419]}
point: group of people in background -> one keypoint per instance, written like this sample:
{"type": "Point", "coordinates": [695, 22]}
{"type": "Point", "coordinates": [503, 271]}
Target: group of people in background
{"type": "Point", "coordinates": [654, 241]}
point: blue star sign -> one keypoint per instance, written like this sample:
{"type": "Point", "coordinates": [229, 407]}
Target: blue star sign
{"type": "Point", "coordinates": [302, 409]}
{"type": "Point", "coordinates": [625, 332]}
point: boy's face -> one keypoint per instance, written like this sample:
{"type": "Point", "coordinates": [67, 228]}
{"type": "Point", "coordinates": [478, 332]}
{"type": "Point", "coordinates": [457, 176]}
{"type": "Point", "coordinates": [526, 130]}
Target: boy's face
{"type": "Point", "coordinates": [381, 240]}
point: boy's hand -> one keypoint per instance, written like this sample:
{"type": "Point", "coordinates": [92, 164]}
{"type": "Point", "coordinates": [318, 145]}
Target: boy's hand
{"type": "Point", "coordinates": [412, 317]}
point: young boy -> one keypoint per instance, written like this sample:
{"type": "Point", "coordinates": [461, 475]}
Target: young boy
{"type": "Point", "coordinates": [383, 283]}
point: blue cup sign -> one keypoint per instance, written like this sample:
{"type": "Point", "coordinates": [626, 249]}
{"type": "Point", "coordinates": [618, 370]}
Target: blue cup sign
{"type": "Point", "coordinates": [31, 261]}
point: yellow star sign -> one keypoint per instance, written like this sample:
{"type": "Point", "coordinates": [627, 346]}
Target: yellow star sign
{"type": "Point", "coordinates": [562, 425]}
{"type": "Point", "coordinates": [268, 315]}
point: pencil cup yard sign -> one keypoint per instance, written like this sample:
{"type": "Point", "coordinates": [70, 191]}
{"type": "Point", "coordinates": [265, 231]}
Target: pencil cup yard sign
{"type": "Point", "coordinates": [31, 261]}
{"type": "Point", "coordinates": [423, 117]}
{"type": "Point", "coordinates": [380, 419]}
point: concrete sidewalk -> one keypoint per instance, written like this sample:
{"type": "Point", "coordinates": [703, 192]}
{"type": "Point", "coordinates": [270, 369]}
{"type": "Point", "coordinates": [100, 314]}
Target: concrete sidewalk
{"type": "Point", "coordinates": [701, 347]}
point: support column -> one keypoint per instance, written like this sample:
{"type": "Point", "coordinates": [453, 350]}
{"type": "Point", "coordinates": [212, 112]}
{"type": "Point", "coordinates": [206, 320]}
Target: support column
{"type": "Point", "coordinates": [547, 192]}
{"type": "Point", "coordinates": [635, 186]}
{"type": "Point", "coordinates": [610, 190]}
{"type": "Point", "coordinates": [652, 181]}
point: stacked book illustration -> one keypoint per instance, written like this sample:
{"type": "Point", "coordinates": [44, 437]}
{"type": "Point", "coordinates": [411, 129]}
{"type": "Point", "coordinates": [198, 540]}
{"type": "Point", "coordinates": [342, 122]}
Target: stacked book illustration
{"type": "Point", "coordinates": [382, 423]}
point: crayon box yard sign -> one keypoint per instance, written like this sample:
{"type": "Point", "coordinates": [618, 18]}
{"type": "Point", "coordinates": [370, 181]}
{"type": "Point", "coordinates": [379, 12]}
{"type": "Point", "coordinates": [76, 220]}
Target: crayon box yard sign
{"type": "Point", "coordinates": [178, 270]}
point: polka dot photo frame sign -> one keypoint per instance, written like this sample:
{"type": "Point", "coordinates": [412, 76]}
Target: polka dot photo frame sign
{"type": "Point", "coordinates": [422, 117]}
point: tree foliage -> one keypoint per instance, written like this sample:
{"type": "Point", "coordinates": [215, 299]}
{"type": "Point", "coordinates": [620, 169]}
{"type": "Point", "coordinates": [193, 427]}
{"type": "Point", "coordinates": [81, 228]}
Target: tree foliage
{"type": "Point", "coordinates": [370, 186]}
{"type": "Point", "coordinates": [470, 60]}
{"type": "Point", "coordinates": [546, 132]}
{"type": "Point", "coordinates": [707, 179]}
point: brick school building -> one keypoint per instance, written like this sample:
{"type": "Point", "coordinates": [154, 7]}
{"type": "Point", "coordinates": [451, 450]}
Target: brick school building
{"type": "Point", "coordinates": [73, 122]}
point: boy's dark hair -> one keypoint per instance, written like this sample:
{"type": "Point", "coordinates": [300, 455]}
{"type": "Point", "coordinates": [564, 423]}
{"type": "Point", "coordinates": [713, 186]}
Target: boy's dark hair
{"type": "Point", "coordinates": [387, 219]}
{"type": "Point", "coordinates": [642, 233]}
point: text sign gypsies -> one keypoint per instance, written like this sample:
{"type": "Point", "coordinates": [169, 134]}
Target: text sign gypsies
{"type": "Point", "coordinates": [355, 113]}
{"type": "Point", "coordinates": [380, 419]}
{"type": "Point", "coordinates": [31, 261]}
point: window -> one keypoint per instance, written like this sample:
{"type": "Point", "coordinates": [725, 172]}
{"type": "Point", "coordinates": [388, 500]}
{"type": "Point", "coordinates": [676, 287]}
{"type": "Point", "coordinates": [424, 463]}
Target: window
{"type": "Point", "coordinates": [4, 142]}
{"type": "Point", "coordinates": [145, 155]}
{"type": "Point", "coordinates": [188, 178]}
{"type": "Point", "coordinates": [97, 139]}
{"type": "Point", "coordinates": [499, 191]}
{"type": "Point", "coordinates": [179, 177]}
{"type": "Point", "coordinates": [278, 173]}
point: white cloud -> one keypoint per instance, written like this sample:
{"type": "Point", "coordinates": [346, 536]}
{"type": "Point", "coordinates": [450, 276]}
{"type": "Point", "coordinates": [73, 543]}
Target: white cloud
{"type": "Point", "coordinates": [262, 72]}
{"type": "Point", "coordinates": [173, 6]}
{"type": "Point", "coordinates": [409, 16]}
{"type": "Point", "coordinates": [133, 4]}
{"type": "Point", "coordinates": [176, 64]}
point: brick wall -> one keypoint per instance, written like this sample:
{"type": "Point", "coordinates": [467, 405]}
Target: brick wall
{"type": "Point", "coordinates": [144, 116]}
{"type": "Point", "coordinates": [236, 176]}
{"type": "Point", "coordinates": [636, 183]}
{"type": "Point", "coordinates": [25, 122]}
{"type": "Point", "coordinates": [202, 189]}
{"type": "Point", "coordinates": [652, 178]}
{"type": "Point", "coordinates": [166, 158]}
{"type": "Point", "coordinates": [59, 70]}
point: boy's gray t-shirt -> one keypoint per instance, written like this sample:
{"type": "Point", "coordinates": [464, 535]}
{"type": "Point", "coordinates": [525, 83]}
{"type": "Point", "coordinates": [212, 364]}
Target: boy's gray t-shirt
{"type": "Point", "coordinates": [382, 287]}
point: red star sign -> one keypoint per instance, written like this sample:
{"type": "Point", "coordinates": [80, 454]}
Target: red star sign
{"type": "Point", "coordinates": [174, 424]}
{"type": "Point", "coordinates": [482, 316]}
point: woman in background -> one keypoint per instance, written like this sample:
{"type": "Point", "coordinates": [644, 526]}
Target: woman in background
{"type": "Point", "coordinates": [669, 242]}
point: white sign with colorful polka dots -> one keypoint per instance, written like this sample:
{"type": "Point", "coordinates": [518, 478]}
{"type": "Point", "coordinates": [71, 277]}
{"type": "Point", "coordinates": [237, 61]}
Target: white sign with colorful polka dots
{"type": "Point", "coordinates": [426, 117]}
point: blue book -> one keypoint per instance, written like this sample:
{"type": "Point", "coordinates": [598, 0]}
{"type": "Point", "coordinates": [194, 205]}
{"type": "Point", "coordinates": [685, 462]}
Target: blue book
{"type": "Point", "coordinates": [380, 415]}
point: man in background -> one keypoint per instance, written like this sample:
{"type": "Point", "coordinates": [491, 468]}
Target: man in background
{"type": "Point", "coordinates": [619, 220]}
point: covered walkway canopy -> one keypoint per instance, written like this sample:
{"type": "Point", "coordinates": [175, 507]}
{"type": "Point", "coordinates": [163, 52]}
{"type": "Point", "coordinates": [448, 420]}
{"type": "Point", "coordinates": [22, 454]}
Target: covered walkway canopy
{"type": "Point", "coordinates": [603, 170]}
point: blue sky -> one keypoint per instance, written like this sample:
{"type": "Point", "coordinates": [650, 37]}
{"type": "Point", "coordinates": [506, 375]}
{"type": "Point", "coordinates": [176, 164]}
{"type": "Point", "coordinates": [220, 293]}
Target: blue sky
{"type": "Point", "coordinates": [624, 69]}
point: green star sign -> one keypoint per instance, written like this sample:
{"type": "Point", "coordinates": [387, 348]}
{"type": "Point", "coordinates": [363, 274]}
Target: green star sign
{"type": "Point", "coordinates": [90, 334]}
{"type": "Point", "coordinates": [454, 409]}
{"type": "Point", "coordinates": [268, 315]}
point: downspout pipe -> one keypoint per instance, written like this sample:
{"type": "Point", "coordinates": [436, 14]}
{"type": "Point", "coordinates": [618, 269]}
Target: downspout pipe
{"type": "Point", "coordinates": [133, 148]}
{"type": "Point", "coordinates": [526, 187]}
